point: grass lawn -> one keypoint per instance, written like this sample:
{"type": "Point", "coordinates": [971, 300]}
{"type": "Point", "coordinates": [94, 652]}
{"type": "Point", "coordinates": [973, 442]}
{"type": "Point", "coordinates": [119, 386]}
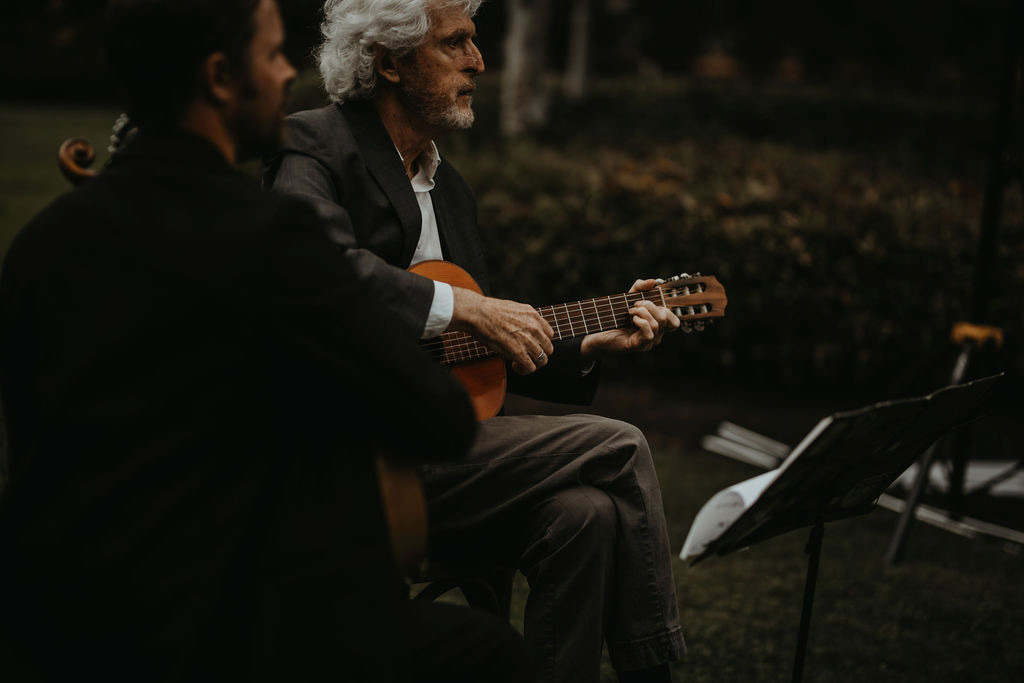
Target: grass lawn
{"type": "Point", "coordinates": [30, 137]}
{"type": "Point", "coordinates": [953, 610]}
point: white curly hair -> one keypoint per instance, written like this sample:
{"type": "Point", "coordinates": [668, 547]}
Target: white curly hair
{"type": "Point", "coordinates": [351, 28]}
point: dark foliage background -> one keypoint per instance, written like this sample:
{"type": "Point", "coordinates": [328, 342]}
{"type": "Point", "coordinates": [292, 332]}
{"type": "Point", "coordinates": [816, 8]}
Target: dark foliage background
{"type": "Point", "coordinates": [841, 209]}
{"type": "Point", "coordinates": [52, 49]}
{"type": "Point", "coordinates": [843, 224]}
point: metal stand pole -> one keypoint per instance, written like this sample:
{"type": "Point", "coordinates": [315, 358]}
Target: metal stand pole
{"type": "Point", "coordinates": [813, 551]}
{"type": "Point", "coordinates": [898, 542]}
{"type": "Point", "coordinates": [990, 218]}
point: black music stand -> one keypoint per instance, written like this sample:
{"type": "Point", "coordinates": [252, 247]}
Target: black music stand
{"type": "Point", "coordinates": [1004, 165]}
{"type": "Point", "coordinates": [837, 471]}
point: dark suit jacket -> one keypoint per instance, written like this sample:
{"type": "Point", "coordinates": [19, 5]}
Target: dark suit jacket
{"type": "Point", "coordinates": [195, 384]}
{"type": "Point", "coordinates": [342, 160]}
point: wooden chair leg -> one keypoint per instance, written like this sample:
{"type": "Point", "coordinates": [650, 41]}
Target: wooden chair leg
{"type": "Point", "coordinates": [487, 589]}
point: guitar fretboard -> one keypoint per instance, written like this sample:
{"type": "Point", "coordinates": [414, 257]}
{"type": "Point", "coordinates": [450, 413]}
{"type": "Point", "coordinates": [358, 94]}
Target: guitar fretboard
{"type": "Point", "coordinates": [567, 320]}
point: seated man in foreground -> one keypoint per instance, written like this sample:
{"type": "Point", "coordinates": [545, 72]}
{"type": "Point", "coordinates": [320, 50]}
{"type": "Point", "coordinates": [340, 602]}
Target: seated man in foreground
{"type": "Point", "coordinates": [574, 501]}
{"type": "Point", "coordinates": [196, 392]}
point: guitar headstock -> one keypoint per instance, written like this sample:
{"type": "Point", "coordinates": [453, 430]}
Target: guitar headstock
{"type": "Point", "coordinates": [695, 299]}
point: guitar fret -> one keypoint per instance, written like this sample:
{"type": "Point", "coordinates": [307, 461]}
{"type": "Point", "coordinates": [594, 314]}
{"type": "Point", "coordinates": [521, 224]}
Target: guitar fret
{"type": "Point", "coordinates": [558, 325]}
{"type": "Point", "coordinates": [572, 332]}
{"type": "Point", "coordinates": [597, 314]}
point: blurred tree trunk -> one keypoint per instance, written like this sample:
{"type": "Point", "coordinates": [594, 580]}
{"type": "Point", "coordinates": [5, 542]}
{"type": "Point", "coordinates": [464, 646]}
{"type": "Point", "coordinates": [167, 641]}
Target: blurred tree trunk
{"type": "Point", "coordinates": [579, 47]}
{"type": "Point", "coordinates": [524, 92]}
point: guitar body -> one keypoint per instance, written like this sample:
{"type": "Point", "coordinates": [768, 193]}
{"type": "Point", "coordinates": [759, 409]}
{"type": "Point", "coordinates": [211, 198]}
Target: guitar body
{"type": "Point", "coordinates": [483, 379]}
{"type": "Point", "coordinates": [405, 509]}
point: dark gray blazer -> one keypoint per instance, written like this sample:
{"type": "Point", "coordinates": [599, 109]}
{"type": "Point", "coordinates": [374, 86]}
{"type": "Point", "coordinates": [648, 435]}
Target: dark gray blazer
{"type": "Point", "coordinates": [342, 160]}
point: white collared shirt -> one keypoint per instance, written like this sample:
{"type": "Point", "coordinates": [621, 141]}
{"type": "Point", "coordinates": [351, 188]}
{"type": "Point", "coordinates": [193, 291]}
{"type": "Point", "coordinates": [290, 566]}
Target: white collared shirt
{"type": "Point", "coordinates": [429, 246]}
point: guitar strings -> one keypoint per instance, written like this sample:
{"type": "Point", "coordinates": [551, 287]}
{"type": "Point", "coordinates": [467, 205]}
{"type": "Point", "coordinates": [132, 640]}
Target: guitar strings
{"type": "Point", "coordinates": [460, 346]}
{"type": "Point", "coordinates": [572, 320]}
{"type": "Point", "coordinates": [605, 308]}
{"type": "Point", "coordinates": [575, 325]}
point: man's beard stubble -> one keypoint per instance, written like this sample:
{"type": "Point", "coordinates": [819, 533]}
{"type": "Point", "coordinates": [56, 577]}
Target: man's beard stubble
{"type": "Point", "coordinates": [258, 133]}
{"type": "Point", "coordinates": [437, 110]}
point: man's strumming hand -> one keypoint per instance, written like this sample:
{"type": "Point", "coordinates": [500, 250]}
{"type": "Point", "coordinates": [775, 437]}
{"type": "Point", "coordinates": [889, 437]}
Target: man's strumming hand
{"type": "Point", "coordinates": [516, 331]}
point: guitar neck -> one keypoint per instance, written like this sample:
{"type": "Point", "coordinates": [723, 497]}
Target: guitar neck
{"type": "Point", "coordinates": [595, 315]}
{"type": "Point", "coordinates": [568, 320]}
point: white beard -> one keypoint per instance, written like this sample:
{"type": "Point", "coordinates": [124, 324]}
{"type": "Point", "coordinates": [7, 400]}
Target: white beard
{"type": "Point", "coordinates": [445, 115]}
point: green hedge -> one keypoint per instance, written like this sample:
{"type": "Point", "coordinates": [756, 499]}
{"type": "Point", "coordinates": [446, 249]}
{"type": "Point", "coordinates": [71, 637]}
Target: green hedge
{"type": "Point", "coordinates": [843, 226]}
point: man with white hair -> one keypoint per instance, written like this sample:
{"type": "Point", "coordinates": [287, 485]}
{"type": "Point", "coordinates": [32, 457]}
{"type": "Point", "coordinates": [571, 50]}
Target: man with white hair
{"type": "Point", "coordinates": [573, 501]}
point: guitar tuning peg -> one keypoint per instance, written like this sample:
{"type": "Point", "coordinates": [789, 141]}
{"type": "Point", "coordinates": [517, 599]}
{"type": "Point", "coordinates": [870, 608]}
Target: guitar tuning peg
{"type": "Point", "coordinates": [659, 281]}
{"type": "Point", "coordinates": [699, 325]}
{"type": "Point", "coordinates": [674, 278]}
{"type": "Point", "coordinates": [686, 327]}
{"type": "Point", "coordinates": [678, 311]}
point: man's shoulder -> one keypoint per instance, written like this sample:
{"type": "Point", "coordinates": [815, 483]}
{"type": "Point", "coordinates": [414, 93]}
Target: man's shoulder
{"type": "Point", "coordinates": [317, 132]}
{"type": "Point", "coordinates": [54, 235]}
{"type": "Point", "coordinates": [64, 214]}
{"type": "Point", "coordinates": [326, 116]}
{"type": "Point", "coordinates": [151, 201]}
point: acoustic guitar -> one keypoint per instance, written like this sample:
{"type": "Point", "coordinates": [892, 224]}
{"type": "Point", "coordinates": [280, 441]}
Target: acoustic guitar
{"type": "Point", "coordinates": [696, 299]}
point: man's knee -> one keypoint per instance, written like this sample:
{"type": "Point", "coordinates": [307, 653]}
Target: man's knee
{"type": "Point", "coordinates": [607, 429]}
{"type": "Point", "coordinates": [582, 517]}
{"type": "Point", "coordinates": [618, 437]}
{"type": "Point", "coordinates": [618, 451]}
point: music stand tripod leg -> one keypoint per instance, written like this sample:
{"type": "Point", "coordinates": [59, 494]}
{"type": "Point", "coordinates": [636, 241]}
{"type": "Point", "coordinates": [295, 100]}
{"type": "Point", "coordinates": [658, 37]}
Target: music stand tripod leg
{"type": "Point", "coordinates": [898, 542]}
{"type": "Point", "coordinates": [813, 551]}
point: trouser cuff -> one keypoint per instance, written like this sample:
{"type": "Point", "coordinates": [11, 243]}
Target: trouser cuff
{"type": "Point", "coordinates": [648, 652]}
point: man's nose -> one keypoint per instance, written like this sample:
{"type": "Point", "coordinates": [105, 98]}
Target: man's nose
{"type": "Point", "coordinates": [477, 65]}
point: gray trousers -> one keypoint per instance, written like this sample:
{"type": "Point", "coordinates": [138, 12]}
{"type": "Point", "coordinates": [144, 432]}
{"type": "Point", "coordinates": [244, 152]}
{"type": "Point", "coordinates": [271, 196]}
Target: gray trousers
{"type": "Point", "coordinates": [574, 503]}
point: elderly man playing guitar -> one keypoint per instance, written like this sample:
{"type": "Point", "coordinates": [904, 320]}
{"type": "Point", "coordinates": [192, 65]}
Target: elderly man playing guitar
{"type": "Point", "coordinates": [571, 501]}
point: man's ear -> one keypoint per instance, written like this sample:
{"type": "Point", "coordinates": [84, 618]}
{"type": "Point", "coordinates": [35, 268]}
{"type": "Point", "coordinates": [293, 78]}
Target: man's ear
{"type": "Point", "coordinates": [384, 64]}
{"type": "Point", "coordinates": [217, 79]}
